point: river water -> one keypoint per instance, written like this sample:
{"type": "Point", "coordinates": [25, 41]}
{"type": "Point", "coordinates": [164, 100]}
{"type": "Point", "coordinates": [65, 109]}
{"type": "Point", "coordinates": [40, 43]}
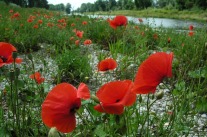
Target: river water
{"type": "Point", "coordinates": [160, 22]}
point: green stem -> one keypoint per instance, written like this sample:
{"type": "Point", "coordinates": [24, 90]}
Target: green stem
{"type": "Point", "coordinates": [16, 99]}
{"type": "Point", "coordinates": [147, 117]}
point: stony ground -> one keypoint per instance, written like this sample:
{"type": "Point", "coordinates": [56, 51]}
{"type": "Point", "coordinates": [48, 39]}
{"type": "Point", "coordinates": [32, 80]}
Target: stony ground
{"type": "Point", "coordinates": [196, 124]}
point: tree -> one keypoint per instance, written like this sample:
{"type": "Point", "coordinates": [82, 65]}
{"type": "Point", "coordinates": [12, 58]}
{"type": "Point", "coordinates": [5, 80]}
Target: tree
{"type": "Point", "coordinates": [128, 4]}
{"type": "Point", "coordinates": [164, 3]}
{"type": "Point", "coordinates": [68, 8]}
{"type": "Point", "coordinates": [142, 4]}
{"type": "Point", "coordinates": [112, 4]}
{"type": "Point", "coordinates": [202, 4]}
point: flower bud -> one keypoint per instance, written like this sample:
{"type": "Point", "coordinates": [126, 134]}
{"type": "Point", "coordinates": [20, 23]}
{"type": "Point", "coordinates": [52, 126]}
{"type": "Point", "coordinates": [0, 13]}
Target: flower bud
{"type": "Point", "coordinates": [30, 56]}
{"type": "Point", "coordinates": [140, 98]}
{"type": "Point", "coordinates": [94, 98]}
{"type": "Point", "coordinates": [12, 75]}
{"type": "Point", "coordinates": [71, 76]}
{"type": "Point", "coordinates": [159, 95]}
{"type": "Point", "coordinates": [14, 55]}
{"type": "Point", "coordinates": [53, 132]}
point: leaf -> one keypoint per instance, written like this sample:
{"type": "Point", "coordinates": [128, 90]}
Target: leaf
{"type": "Point", "coordinates": [99, 131]}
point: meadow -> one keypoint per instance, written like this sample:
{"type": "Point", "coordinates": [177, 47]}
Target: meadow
{"type": "Point", "coordinates": [76, 76]}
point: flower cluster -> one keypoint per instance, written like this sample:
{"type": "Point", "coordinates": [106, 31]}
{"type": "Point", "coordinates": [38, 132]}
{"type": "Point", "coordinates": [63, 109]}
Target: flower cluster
{"type": "Point", "coordinates": [61, 103]}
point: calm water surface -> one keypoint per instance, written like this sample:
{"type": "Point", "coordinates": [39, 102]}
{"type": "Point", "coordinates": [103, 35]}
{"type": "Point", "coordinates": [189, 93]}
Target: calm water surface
{"type": "Point", "coordinates": [161, 22]}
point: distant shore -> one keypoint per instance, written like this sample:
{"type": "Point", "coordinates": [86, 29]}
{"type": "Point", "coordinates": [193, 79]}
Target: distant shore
{"type": "Point", "coordinates": [198, 15]}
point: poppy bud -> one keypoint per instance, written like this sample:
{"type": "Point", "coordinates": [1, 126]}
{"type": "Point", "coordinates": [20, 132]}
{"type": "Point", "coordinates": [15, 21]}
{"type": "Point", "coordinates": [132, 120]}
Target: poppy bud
{"type": "Point", "coordinates": [4, 91]}
{"type": "Point", "coordinates": [94, 98]}
{"type": "Point", "coordinates": [53, 132]}
{"type": "Point", "coordinates": [30, 56]}
{"type": "Point", "coordinates": [14, 55]}
{"type": "Point", "coordinates": [86, 78]}
{"type": "Point", "coordinates": [140, 98]}
{"type": "Point", "coordinates": [153, 96]}
{"type": "Point", "coordinates": [71, 75]}
{"type": "Point", "coordinates": [159, 95]}
{"type": "Point", "coordinates": [12, 75]}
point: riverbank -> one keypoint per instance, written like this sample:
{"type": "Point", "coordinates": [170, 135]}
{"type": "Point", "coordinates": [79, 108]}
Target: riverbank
{"type": "Point", "coordinates": [199, 15]}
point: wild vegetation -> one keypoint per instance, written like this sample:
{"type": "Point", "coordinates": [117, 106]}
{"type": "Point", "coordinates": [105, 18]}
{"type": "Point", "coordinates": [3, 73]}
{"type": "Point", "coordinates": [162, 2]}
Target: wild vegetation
{"type": "Point", "coordinates": [66, 75]}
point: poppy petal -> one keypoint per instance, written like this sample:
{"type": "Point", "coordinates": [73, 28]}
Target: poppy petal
{"type": "Point", "coordinates": [56, 109]}
{"type": "Point", "coordinates": [129, 99]}
{"type": "Point", "coordinates": [66, 125]}
{"type": "Point", "coordinates": [18, 60]}
{"type": "Point", "coordinates": [115, 108]}
{"type": "Point", "coordinates": [112, 63]}
{"type": "Point", "coordinates": [112, 24]}
{"type": "Point", "coordinates": [107, 64]}
{"type": "Point", "coordinates": [113, 91]}
{"type": "Point", "coordinates": [103, 66]}
{"type": "Point", "coordinates": [1, 62]}
{"type": "Point", "coordinates": [6, 49]}
{"type": "Point", "coordinates": [152, 71]}
{"type": "Point", "coordinates": [83, 91]}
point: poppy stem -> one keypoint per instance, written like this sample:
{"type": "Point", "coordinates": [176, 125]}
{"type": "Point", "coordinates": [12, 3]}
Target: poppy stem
{"type": "Point", "coordinates": [147, 116]}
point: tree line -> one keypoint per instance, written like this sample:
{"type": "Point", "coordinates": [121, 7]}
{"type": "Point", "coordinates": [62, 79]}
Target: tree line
{"type": "Point", "coordinates": [40, 4]}
{"type": "Point", "coordinates": [29, 3]}
{"type": "Point", "coordinates": [107, 5]}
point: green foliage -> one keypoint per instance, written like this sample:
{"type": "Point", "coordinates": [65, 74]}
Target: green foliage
{"type": "Point", "coordinates": [68, 8]}
{"type": "Point", "coordinates": [21, 98]}
{"type": "Point", "coordinates": [73, 66]}
{"type": "Point", "coordinates": [140, 4]}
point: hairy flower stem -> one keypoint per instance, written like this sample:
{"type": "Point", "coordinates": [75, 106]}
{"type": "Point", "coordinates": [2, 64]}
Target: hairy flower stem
{"type": "Point", "coordinates": [16, 103]}
{"type": "Point", "coordinates": [147, 116]}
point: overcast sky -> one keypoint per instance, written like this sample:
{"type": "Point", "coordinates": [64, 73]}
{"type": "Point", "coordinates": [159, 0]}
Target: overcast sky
{"type": "Point", "coordinates": [74, 3]}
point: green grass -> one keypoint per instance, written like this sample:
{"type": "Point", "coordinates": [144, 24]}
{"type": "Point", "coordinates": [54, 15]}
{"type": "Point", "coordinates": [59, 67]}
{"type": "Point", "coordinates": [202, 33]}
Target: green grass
{"type": "Point", "coordinates": [21, 97]}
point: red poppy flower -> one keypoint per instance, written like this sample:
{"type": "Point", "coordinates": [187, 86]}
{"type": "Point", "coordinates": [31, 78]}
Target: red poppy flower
{"type": "Point", "coordinates": [29, 20]}
{"type": "Point", "coordinates": [140, 20]}
{"type": "Point", "coordinates": [11, 11]}
{"type": "Point", "coordinates": [155, 36]}
{"type": "Point", "coordinates": [50, 24]}
{"type": "Point", "coordinates": [114, 96]}
{"type": "Point", "coordinates": [87, 42]}
{"type": "Point", "coordinates": [35, 26]}
{"type": "Point", "coordinates": [6, 50]}
{"type": "Point", "coordinates": [60, 105]}
{"type": "Point", "coordinates": [71, 38]}
{"type": "Point", "coordinates": [107, 64]}
{"type": "Point", "coordinates": [16, 15]}
{"type": "Point", "coordinates": [152, 71]}
{"type": "Point", "coordinates": [191, 27]}
{"type": "Point", "coordinates": [77, 42]}
{"type": "Point", "coordinates": [169, 40]}
{"type": "Point", "coordinates": [79, 33]}
{"type": "Point", "coordinates": [40, 21]}
{"type": "Point", "coordinates": [190, 33]}
{"type": "Point", "coordinates": [84, 22]}
{"type": "Point", "coordinates": [72, 25]}
{"type": "Point", "coordinates": [118, 21]}
{"type": "Point", "coordinates": [136, 27]}
{"type": "Point", "coordinates": [37, 77]}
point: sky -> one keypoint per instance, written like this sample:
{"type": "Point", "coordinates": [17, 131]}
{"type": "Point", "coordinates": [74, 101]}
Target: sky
{"type": "Point", "coordinates": [74, 3]}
